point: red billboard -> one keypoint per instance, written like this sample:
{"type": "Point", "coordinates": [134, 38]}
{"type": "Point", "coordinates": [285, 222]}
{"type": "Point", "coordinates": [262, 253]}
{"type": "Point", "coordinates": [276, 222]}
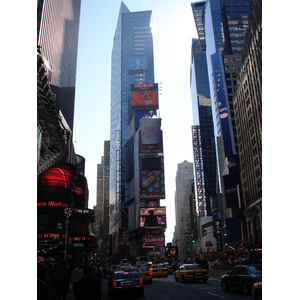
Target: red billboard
{"type": "Point", "coordinates": [62, 176]}
{"type": "Point", "coordinates": [144, 96]}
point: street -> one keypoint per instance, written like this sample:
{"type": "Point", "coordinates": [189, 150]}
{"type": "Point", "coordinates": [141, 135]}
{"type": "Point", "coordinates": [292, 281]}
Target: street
{"type": "Point", "coordinates": [168, 289]}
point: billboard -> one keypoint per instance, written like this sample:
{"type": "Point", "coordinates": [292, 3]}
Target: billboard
{"type": "Point", "coordinates": [230, 185]}
{"type": "Point", "coordinates": [137, 63]}
{"type": "Point", "coordinates": [152, 177]}
{"type": "Point", "coordinates": [199, 171]}
{"type": "Point", "coordinates": [172, 251]}
{"type": "Point", "coordinates": [153, 217]}
{"type": "Point", "coordinates": [153, 241]}
{"type": "Point", "coordinates": [61, 176]}
{"type": "Point", "coordinates": [222, 96]}
{"type": "Point", "coordinates": [144, 96]}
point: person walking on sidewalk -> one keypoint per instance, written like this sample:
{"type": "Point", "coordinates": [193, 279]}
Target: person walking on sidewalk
{"type": "Point", "coordinates": [89, 286]}
{"type": "Point", "coordinates": [75, 277]}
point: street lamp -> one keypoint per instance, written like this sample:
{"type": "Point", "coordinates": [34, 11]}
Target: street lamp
{"type": "Point", "coordinates": [68, 213]}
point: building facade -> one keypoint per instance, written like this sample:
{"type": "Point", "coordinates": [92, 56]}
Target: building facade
{"type": "Point", "coordinates": [64, 222]}
{"type": "Point", "coordinates": [101, 207]}
{"type": "Point", "coordinates": [205, 158]}
{"type": "Point", "coordinates": [221, 27]}
{"type": "Point", "coordinates": [131, 63]}
{"type": "Point", "coordinates": [247, 103]}
{"type": "Point", "coordinates": [57, 36]}
{"type": "Point", "coordinates": [183, 229]}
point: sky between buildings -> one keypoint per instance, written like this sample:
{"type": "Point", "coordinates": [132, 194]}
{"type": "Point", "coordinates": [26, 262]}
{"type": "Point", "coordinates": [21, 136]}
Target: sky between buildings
{"type": "Point", "coordinates": [173, 30]}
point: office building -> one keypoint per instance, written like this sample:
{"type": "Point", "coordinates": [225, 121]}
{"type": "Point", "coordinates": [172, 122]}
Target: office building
{"type": "Point", "coordinates": [183, 229]}
{"type": "Point", "coordinates": [101, 207]}
{"type": "Point", "coordinates": [205, 158]}
{"type": "Point", "coordinates": [57, 36]}
{"type": "Point", "coordinates": [248, 111]}
{"type": "Point", "coordinates": [221, 27]}
{"type": "Point", "coordinates": [131, 64]}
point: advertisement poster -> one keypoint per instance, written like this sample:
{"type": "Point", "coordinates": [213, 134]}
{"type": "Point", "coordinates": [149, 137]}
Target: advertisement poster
{"type": "Point", "coordinates": [153, 217]}
{"type": "Point", "coordinates": [144, 96]}
{"type": "Point", "coordinates": [153, 241]}
{"type": "Point", "coordinates": [152, 178]}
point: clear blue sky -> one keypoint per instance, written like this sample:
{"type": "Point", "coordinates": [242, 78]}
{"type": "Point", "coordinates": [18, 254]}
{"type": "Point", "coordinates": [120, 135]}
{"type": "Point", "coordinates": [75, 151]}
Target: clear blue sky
{"type": "Point", "coordinates": [174, 29]}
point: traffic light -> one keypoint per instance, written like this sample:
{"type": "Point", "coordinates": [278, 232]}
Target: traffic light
{"type": "Point", "coordinates": [193, 241]}
{"type": "Point", "coordinates": [225, 233]}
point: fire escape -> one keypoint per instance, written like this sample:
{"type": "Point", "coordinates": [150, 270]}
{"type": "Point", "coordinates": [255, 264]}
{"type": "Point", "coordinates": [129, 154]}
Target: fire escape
{"type": "Point", "coordinates": [54, 134]}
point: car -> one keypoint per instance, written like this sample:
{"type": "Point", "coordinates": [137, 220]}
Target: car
{"type": "Point", "coordinates": [169, 268]}
{"type": "Point", "coordinates": [257, 290]}
{"type": "Point", "coordinates": [123, 282]}
{"type": "Point", "coordinates": [159, 270]}
{"type": "Point", "coordinates": [242, 277]}
{"type": "Point", "coordinates": [144, 273]}
{"type": "Point", "coordinates": [191, 272]}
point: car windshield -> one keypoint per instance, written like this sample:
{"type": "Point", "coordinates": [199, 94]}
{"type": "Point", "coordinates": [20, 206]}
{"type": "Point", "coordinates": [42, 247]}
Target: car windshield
{"type": "Point", "coordinates": [255, 269]}
{"type": "Point", "coordinates": [193, 267]}
{"type": "Point", "coordinates": [122, 275]}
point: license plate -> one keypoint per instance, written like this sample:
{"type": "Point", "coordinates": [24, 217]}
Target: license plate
{"type": "Point", "coordinates": [127, 283]}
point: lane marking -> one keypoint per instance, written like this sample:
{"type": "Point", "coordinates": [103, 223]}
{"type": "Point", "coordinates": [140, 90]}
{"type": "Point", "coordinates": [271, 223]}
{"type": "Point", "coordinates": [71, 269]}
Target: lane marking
{"type": "Point", "coordinates": [217, 295]}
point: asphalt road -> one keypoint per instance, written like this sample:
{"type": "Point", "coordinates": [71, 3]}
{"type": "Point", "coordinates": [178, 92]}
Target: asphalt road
{"type": "Point", "coordinates": [168, 289]}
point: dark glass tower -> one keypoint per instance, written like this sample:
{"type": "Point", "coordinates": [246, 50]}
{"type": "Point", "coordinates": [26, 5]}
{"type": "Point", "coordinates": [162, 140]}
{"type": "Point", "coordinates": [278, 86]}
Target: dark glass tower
{"type": "Point", "coordinates": [57, 36]}
{"type": "Point", "coordinates": [133, 42]}
{"type": "Point", "coordinates": [202, 118]}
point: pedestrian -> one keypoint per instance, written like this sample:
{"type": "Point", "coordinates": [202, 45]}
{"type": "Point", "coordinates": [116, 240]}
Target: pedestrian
{"type": "Point", "coordinates": [43, 292]}
{"type": "Point", "coordinates": [204, 264]}
{"type": "Point", "coordinates": [75, 276]}
{"type": "Point", "coordinates": [64, 284]}
{"type": "Point", "coordinates": [89, 286]}
{"type": "Point", "coordinates": [104, 270]}
{"type": "Point", "coordinates": [44, 276]}
{"type": "Point", "coordinates": [210, 265]}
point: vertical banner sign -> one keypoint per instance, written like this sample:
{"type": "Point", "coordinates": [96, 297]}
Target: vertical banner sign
{"type": "Point", "coordinates": [199, 173]}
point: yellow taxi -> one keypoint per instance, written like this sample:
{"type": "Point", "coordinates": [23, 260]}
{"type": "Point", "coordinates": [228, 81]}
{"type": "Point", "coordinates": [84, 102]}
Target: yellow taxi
{"type": "Point", "coordinates": [257, 290]}
{"type": "Point", "coordinates": [159, 270]}
{"type": "Point", "coordinates": [191, 272]}
{"type": "Point", "coordinates": [144, 273]}
{"type": "Point", "coordinates": [169, 268]}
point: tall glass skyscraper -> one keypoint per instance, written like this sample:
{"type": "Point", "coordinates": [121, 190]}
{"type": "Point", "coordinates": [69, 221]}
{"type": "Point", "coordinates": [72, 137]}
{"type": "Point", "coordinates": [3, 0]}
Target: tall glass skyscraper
{"type": "Point", "coordinates": [131, 63]}
{"type": "Point", "coordinates": [57, 36]}
{"type": "Point", "coordinates": [203, 126]}
{"type": "Point", "coordinates": [223, 24]}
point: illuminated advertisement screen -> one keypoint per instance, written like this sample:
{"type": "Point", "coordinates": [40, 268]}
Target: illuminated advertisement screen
{"type": "Point", "coordinates": [153, 217]}
{"type": "Point", "coordinates": [144, 96]}
{"type": "Point", "coordinates": [62, 176]}
{"type": "Point", "coordinates": [172, 251]}
{"type": "Point", "coordinates": [152, 178]}
{"type": "Point", "coordinates": [137, 63]}
{"type": "Point", "coordinates": [199, 171]}
{"type": "Point", "coordinates": [153, 241]}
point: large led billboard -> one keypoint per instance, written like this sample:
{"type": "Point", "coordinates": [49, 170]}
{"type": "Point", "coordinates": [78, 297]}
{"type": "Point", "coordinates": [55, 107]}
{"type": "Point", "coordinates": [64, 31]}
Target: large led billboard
{"type": "Point", "coordinates": [137, 63]}
{"type": "Point", "coordinates": [153, 217]}
{"type": "Point", "coordinates": [153, 241]}
{"type": "Point", "coordinates": [172, 251]}
{"type": "Point", "coordinates": [152, 178]}
{"type": "Point", "coordinates": [144, 96]}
